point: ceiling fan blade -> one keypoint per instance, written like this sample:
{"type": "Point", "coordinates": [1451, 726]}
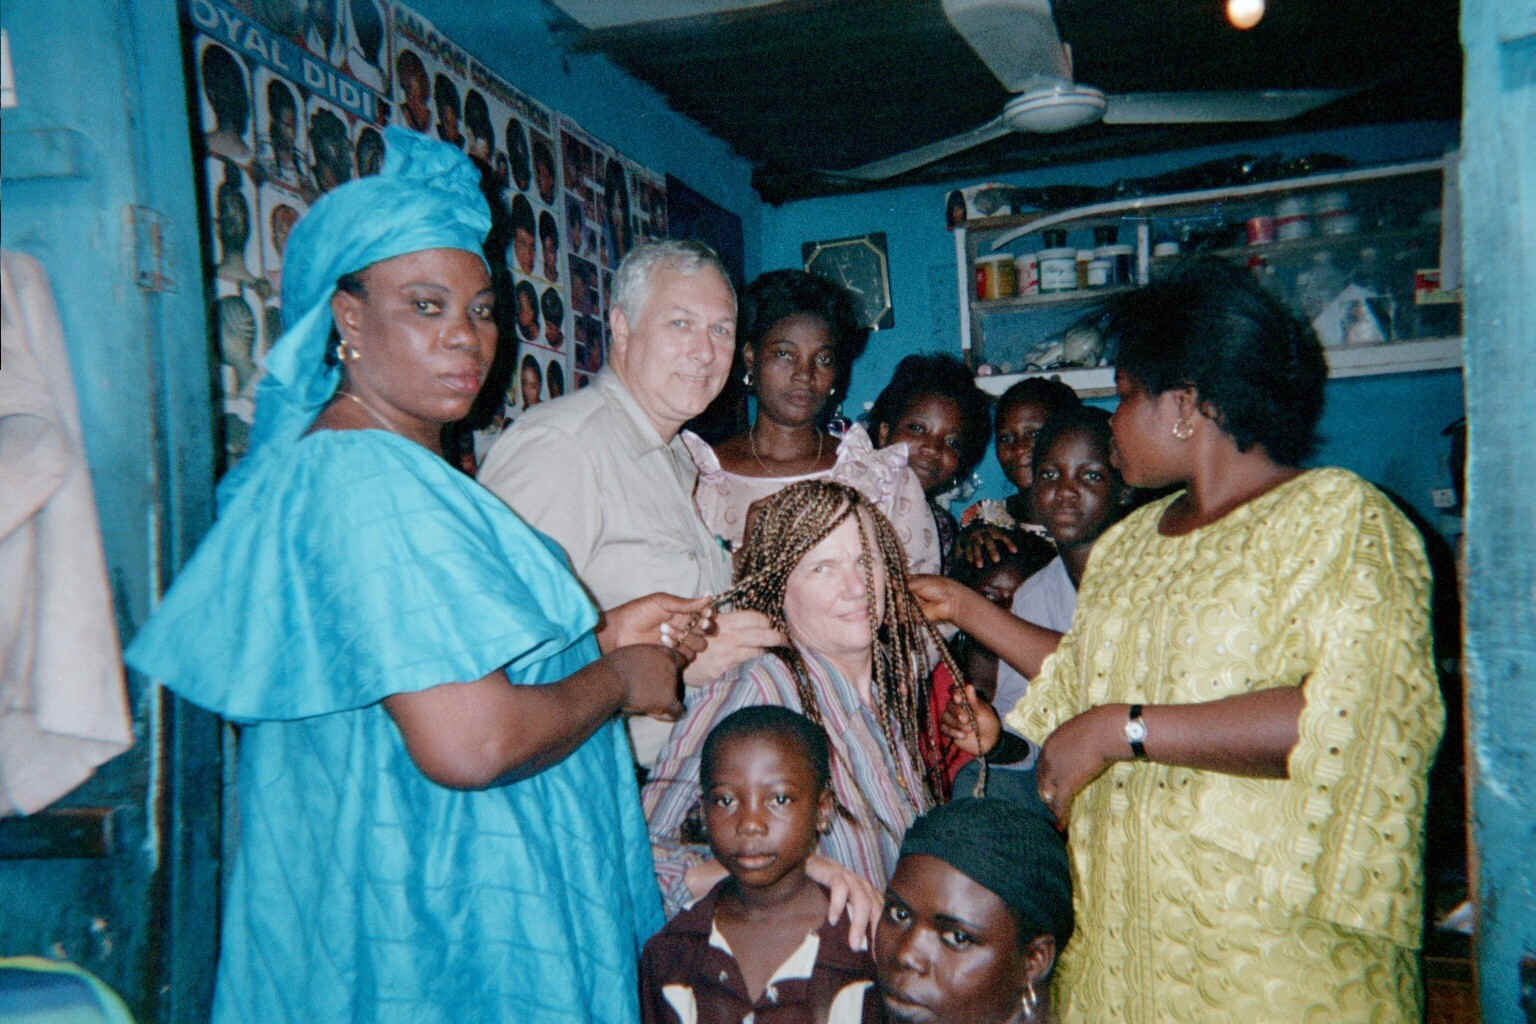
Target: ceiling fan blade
{"type": "Point", "coordinates": [1192, 107]}
{"type": "Point", "coordinates": [889, 167]}
{"type": "Point", "coordinates": [1016, 39]}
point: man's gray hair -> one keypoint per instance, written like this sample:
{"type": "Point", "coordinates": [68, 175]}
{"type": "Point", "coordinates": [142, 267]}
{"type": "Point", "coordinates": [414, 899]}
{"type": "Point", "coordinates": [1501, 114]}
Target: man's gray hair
{"type": "Point", "coordinates": [632, 282]}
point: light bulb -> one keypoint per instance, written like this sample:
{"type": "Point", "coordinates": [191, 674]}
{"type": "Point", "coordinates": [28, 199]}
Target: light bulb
{"type": "Point", "coordinates": [1245, 13]}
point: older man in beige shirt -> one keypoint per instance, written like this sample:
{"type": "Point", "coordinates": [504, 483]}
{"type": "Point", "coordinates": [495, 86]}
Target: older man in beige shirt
{"type": "Point", "coordinates": [603, 472]}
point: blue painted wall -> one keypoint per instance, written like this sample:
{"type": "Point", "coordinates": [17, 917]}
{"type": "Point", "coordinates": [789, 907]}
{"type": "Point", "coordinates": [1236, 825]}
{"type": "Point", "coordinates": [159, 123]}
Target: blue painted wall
{"type": "Point", "coordinates": [1499, 218]}
{"type": "Point", "coordinates": [100, 131]}
{"type": "Point", "coordinates": [1385, 428]}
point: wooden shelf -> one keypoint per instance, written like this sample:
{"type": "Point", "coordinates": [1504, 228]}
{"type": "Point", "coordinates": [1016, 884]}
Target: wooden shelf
{"type": "Point", "coordinates": [1083, 295]}
{"type": "Point", "coordinates": [1356, 361]}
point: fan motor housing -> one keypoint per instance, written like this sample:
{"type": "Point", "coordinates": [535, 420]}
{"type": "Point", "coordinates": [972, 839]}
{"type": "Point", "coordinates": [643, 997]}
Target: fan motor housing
{"type": "Point", "coordinates": [1057, 107]}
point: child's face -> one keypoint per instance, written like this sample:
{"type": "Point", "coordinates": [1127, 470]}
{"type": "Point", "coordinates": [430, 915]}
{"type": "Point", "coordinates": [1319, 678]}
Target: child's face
{"type": "Point", "coordinates": [932, 426]}
{"type": "Point", "coordinates": [1076, 489]}
{"type": "Point", "coordinates": [1016, 430]}
{"type": "Point", "coordinates": [764, 808]}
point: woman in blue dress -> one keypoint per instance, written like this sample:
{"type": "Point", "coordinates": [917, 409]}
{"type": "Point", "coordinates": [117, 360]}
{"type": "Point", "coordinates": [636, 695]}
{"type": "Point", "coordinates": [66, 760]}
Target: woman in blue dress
{"type": "Point", "coordinates": [438, 820]}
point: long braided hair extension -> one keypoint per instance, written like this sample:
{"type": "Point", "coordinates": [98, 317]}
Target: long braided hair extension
{"type": "Point", "coordinates": [781, 529]}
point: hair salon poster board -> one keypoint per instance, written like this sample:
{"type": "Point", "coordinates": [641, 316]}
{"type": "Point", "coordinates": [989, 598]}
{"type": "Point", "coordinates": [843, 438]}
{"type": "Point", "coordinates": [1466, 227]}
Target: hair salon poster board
{"type": "Point", "coordinates": [289, 105]}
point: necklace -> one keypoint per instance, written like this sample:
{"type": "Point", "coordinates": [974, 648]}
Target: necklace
{"type": "Point", "coordinates": [752, 443]}
{"type": "Point", "coordinates": [380, 420]}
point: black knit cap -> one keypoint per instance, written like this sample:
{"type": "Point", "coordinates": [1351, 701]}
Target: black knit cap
{"type": "Point", "coordinates": [1009, 849]}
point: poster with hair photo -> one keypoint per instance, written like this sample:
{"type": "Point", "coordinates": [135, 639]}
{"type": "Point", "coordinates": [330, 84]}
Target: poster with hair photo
{"type": "Point", "coordinates": [283, 114]}
{"type": "Point", "coordinates": [610, 203]}
{"type": "Point", "coordinates": [446, 92]}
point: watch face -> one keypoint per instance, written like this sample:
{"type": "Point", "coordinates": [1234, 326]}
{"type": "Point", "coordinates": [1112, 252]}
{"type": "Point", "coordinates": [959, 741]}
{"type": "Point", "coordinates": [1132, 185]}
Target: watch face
{"type": "Point", "coordinates": [859, 265]}
{"type": "Point", "coordinates": [1136, 731]}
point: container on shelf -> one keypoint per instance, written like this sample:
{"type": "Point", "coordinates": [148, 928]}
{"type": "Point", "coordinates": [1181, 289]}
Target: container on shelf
{"type": "Point", "coordinates": [1026, 271]}
{"type": "Point", "coordinates": [1058, 270]}
{"type": "Point", "coordinates": [1260, 229]}
{"type": "Point", "coordinates": [1122, 263]}
{"type": "Point", "coordinates": [1333, 214]}
{"type": "Point", "coordinates": [1084, 257]}
{"type": "Point", "coordinates": [1098, 271]}
{"type": "Point", "coordinates": [995, 277]}
{"type": "Point", "coordinates": [1293, 218]}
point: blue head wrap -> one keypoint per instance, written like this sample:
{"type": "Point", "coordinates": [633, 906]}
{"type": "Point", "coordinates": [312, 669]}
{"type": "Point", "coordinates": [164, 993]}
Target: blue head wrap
{"type": "Point", "coordinates": [427, 196]}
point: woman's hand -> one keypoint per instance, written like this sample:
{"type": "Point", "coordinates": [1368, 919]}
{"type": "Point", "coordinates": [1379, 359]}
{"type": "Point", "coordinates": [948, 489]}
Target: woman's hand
{"type": "Point", "coordinates": [650, 676]}
{"type": "Point", "coordinates": [846, 889]}
{"type": "Point", "coordinates": [676, 622]}
{"type": "Point", "coordinates": [939, 597]}
{"type": "Point", "coordinates": [1077, 753]}
{"type": "Point", "coordinates": [957, 723]}
{"type": "Point", "coordinates": [734, 637]}
{"type": "Point", "coordinates": [983, 544]}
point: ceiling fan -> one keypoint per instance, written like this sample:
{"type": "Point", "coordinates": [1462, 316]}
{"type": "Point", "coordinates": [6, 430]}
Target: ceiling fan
{"type": "Point", "coordinates": [1019, 43]}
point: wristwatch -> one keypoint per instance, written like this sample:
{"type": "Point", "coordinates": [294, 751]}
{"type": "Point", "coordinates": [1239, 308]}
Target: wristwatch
{"type": "Point", "coordinates": [1136, 732]}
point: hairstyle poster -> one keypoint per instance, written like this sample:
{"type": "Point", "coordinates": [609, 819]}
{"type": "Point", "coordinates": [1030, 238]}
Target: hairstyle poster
{"type": "Point", "coordinates": [610, 203]}
{"type": "Point", "coordinates": [443, 91]}
{"type": "Point", "coordinates": [290, 99]}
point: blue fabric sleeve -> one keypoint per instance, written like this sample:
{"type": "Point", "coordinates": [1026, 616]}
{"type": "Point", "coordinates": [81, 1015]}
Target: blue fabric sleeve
{"type": "Point", "coordinates": [358, 566]}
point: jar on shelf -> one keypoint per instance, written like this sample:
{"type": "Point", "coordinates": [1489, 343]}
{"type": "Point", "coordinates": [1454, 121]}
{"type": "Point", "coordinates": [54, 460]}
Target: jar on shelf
{"type": "Point", "coordinates": [1334, 216]}
{"type": "Point", "coordinates": [1121, 260]}
{"type": "Point", "coordinates": [1084, 257]}
{"type": "Point", "coordinates": [1026, 271]}
{"type": "Point", "coordinates": [1058, 270]}
{"type": "Point", "coordinates": [995, 277]}
{"type": "Point", "coordinates": [1293, 218]}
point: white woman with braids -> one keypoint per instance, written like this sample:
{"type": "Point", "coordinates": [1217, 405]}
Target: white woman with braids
{"type": "Point", "coordinates": [828, 570]}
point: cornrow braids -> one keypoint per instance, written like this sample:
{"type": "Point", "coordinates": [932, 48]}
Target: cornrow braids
{"type": "Point", "coordinates": [780, 532]}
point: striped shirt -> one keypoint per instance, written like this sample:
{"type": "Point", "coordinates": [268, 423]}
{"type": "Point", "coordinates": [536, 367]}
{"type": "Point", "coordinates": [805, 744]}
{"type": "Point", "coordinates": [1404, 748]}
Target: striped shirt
{"type": "Point", "coordinates": [867, 776]}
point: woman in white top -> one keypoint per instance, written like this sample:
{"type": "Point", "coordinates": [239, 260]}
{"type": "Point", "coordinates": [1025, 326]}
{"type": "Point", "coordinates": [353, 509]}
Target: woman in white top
{"type": "Point", "coordinates": [799, 335]}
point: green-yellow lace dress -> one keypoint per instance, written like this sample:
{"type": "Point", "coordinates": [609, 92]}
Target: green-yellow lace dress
{"type": "Point", "coordinates": [1210, 897]}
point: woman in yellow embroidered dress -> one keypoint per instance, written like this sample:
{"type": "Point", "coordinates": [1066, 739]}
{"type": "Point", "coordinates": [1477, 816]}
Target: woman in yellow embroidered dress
{"type": "Point", "coordinates": [1242, 715]}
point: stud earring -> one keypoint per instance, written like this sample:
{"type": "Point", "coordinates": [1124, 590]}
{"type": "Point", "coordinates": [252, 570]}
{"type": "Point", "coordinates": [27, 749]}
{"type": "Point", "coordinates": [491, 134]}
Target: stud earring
{"type": "Point", "coordinates": [1183, 429]}
{"type": "Point", "coordinates": [832, 391]}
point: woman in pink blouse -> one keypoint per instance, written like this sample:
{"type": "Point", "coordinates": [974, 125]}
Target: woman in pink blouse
{"type": "Point", "coordinates": [799, 336]}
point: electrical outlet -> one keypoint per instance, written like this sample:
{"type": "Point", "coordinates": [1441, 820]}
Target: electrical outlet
{"type": "Point", "coordinates": [1443, 497]}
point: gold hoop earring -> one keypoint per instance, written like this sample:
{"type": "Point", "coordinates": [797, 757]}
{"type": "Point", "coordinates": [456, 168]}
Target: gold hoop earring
{"type": "Point", "coordinates": [1183, 430]}
{"type": "Point", "coordinates": [346, 352]}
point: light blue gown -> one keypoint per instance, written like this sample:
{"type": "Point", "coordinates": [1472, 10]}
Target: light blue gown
{"type": "Point", "coordinates": [346, 567]}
